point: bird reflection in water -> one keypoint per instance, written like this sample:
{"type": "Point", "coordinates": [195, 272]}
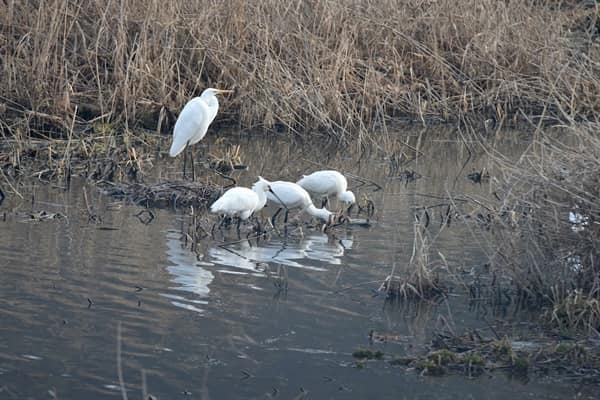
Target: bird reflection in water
{"type": "Point", "coordinates": [188, 274]}
{"type": "Point", "coordinates": [254, 259]}
{"type": "Point", "coordinates": [192, 276]}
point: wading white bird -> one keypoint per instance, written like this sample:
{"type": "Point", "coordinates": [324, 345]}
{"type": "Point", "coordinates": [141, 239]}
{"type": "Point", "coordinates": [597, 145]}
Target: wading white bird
{"type": "Point", "coordinates": [194, 119]}
{"type": "Point", "coordinates": [291, 195]}
{"type": "Point", "coordinates": [323, 184]}
{"type": "Point", "coordinates": [241, 202]}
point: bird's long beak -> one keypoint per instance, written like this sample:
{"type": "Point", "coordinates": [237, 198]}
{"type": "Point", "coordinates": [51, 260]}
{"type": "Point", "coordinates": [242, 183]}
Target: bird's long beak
{"type": "Point", "coordinates": [223, 91]}
{"type": "Point", "coordinates": [277, 197]}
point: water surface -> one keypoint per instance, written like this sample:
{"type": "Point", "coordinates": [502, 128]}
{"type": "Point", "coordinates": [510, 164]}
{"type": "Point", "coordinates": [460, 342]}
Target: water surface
{"type": "Point", "coordinates": [275, 318]}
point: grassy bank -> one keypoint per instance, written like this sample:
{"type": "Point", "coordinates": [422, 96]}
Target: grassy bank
{"type": "Point", "coordinates": [344, 67]}
{"type": "Point", "coordinates": [547, 226]}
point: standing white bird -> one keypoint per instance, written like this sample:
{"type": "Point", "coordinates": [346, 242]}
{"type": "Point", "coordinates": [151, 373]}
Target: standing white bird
{"type": "Point", "coordinates": [241, 202]}
{"type": "Point", "coordinates": [327, 183]}
{"type": "Point", "coordinates": [194, 119]}
{"type": "Point", "coordinates": [291, 195]}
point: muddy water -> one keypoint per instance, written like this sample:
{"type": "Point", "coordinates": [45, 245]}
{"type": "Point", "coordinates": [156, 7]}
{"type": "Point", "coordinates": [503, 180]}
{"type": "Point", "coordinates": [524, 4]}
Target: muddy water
{"type": "Point", "coordinates": [278, 318]}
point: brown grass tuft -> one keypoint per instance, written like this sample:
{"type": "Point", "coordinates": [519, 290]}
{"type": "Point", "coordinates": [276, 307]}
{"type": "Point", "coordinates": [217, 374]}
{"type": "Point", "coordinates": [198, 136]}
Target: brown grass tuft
{"type": "Point", "coordinates": [551, 244]}
{"type": "Point", "coordinates": [419, 281]}
{"type": "Point", "coordinates": [344, 67]}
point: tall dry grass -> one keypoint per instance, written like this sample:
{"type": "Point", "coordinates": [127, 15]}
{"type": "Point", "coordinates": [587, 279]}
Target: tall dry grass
{"type": "Point", "coordinates": [547, 225]}
{"type": "Point", "coordinates": [340, 66]}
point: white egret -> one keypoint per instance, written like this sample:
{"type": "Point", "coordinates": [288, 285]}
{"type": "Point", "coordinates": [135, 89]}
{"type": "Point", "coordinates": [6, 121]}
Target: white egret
{"type": "Point", "coordinates": [241, 202]}
{"type": "Point", "coordinates": [327, 183]}
{"type": "Point", "coordinates": [193, 121]}
{"type": "Point", "coordinates": [291, 195]}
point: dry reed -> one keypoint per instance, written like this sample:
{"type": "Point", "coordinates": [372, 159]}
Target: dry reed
{"type": "Point", "coordinates": [420, 280]}
{"type": "Point", "coordinates": [550, 243]}
{"type": "Point", "coordinates": [341, 67]}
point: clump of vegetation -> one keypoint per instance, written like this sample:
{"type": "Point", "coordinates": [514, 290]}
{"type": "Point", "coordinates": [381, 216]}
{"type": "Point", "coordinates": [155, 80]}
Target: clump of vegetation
{"type": "Point", "coordinates": [472, 359]}
{"type": "Point", "coordinates": [418, 282]}
{"type": "Point", "coordinates": [570, 354]}
{"type": "Point", "coordinates": [472, 354]}
{"type": "Point", "coordinates": [164, 194]}
{"type": "Point", "coordinates": [405, 361]}
{"type": "Point", "coordinates": [368, 354]}
{"type": "Point", "coordinates": [550, 245]}
{"type": "Point", "coordinates": [428, 367]}
{"type": "Point", "coordinates": [503, 348]}
{"type": "Point", "coordinates": [520, 366]}
{"type": "Point", "coordinates": [344, 68]}
{"type": "Point", "coordinates": [226, 160]}
{"type": "Point", "coordinates": [442, 357]}
{"type": "Point", "coordinates": [576, 310]}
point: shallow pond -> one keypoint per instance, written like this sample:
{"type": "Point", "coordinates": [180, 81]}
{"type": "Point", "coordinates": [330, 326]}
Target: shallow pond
{"type": "Point", "coordinates": [276, 318]}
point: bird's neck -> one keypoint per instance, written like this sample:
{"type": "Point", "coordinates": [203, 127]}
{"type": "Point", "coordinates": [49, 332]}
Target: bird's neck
{"type": "Point", "coordinates": [321, 213]}
{"type": "Point", "coordinates": [262, 198]}
{"type": "Point", "coordinates": [212, 102]}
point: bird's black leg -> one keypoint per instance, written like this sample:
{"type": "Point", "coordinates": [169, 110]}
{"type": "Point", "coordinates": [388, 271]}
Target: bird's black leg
{"type": "Point", "coordinates": [238, 226]}
{"type": "Point", "coordinates": [285, 219]}
{"type": "Point", "coordinates": [185, 155]}
{"type": "Point", "coordinates": [193, 166]}
{"type": "Point", "coordinates": [184, 162]}
{"type": "Point", "coordinates": [258, 227]}
{"type": "Point", "coordinates": [324, 202]}
{"type": "Point", "coordinates": [274, 217]}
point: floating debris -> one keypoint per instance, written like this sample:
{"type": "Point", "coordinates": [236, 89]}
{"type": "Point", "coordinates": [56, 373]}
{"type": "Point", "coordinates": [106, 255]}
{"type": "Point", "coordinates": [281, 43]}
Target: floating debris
{"type": "Point", "coordinates": [43, 215]}
{"type": "Point", "coordinates": [225, 166]}
{"type": "Point", "coordinates": [364, 222]}
{"type": "Point", "coordinates": [164, 194]}
{"type": "Point", "coordinates": [366, 205]}
{"type": "Point", "coordinates": [578, 221]}
{"type": "Point", "coordinates": [145, 216]}
{"type": "Point", "coordinates": [407, 176]}
{"type": "Point", "coordinates": [471, 354]}
{"type": "Point", "coordinates": [368, 354]}
{"type": "Point", "coordinates": [376, 337]}
{"type": "Point", "coordinates": [479, 176]}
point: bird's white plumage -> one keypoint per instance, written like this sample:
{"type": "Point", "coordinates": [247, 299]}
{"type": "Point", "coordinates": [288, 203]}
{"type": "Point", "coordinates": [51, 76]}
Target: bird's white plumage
{"type": "Point", "coordinates": [194, 119]}
{"type": "Point", "coordinates": [292, 195]}
{"type": "Point", "coordinates": [327, 183]}
{"type": "Point", "coordinates": [242, 202]}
